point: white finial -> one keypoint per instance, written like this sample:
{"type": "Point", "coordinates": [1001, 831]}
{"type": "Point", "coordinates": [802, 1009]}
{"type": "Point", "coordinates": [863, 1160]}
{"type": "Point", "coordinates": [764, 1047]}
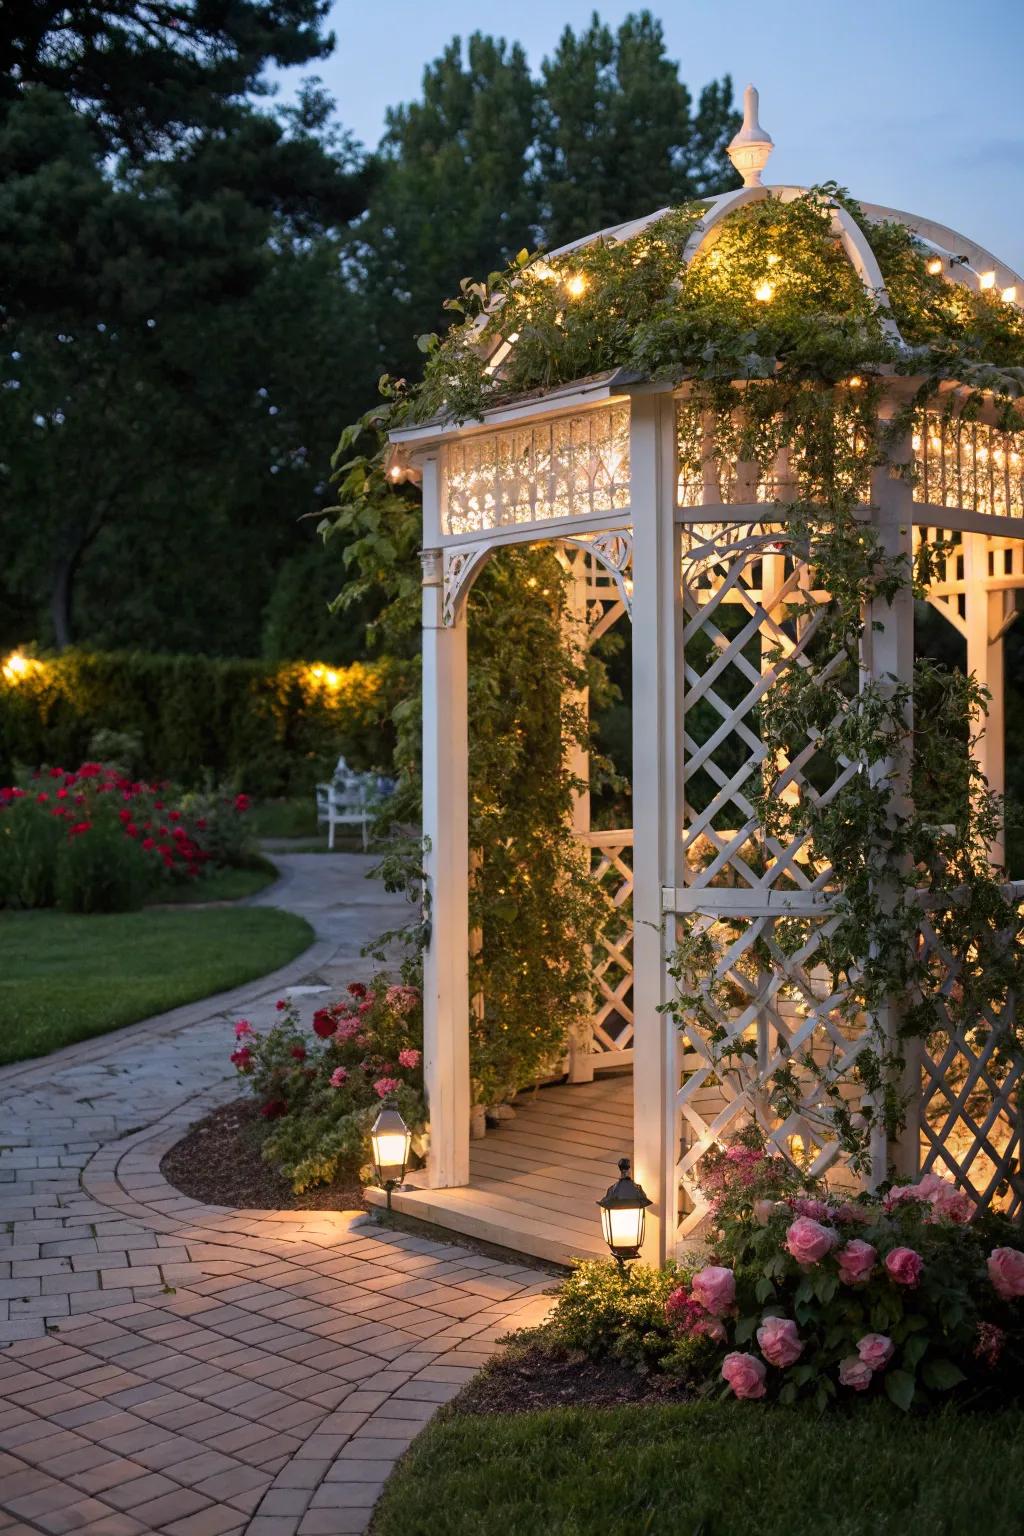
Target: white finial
{"type": "Point", "coordinates": [751, 147]}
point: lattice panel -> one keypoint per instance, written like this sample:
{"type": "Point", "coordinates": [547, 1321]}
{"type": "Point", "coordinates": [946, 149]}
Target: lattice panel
{"type": "Point", "coordinates": [971, 1108]}
{"type": "Point", "coordinates": [612, 968]}
{"type": "Point", "coordinates": [751, 611]}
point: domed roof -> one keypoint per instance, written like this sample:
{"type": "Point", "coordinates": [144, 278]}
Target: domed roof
{"type": "Point", "coordinates": [952, 255]}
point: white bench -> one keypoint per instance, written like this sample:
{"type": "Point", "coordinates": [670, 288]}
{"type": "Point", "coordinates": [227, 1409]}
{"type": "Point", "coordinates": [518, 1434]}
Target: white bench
{"type": "Point", "coordinates": [345, 803]}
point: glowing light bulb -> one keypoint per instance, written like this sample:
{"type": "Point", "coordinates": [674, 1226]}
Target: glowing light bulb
{"type": "Point", "coordinates": [916, 441]}
{"type": "Point", "coordinates": [395, 472]}
{"type": "Point", "coordinates": [764, 293]}
{"type": "Point", "coordinates": [855, 382]}
{"type": "Point", "coordinates": [774, 260]}
{"type": "Point", "coordinates": [935, 443]}
{"type": "Point", "coordinates": [1009, 295]}
{"type": "Point", "coordinates": [935, 266]}
{"type": "Point", "coordinates": [15, 667]}
{"type": "Point", "coordinates": [576, 285]}
{"type": "Point", "coordinates": [986, 280]}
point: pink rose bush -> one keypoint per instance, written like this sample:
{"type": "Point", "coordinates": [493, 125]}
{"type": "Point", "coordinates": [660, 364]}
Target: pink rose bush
{"type": "Point", "coordinates": [803, 1293]}
{"type": "Point", "coordinates": [320, 1084]}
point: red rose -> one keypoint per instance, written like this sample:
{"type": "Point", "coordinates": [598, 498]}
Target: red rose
{"type": "Point", "coordinates": [148, 843]}
{"type": "Point", "coordinates": [357, 989]}
{"type": "Point", "coordinates": [280, 1004]}
{"type": "Point", "coordinates": [273, 1109]}
{"type": "Point", "coordinates": [299, 1052]}
{"type": "Point", "coordinates": [323, 1024]}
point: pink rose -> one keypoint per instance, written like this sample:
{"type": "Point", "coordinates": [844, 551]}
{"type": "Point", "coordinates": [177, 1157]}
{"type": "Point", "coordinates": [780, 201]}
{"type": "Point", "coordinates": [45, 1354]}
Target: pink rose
{"type": "Point", "coordinates": [715, 1289]}
{"type": "Point", "coordinates": [875, 1350]}
{"type": "Point", "coordinates": [242, 1028]}
{"type": "Point", "coordinates": [409, 1058]}
{"type": "Point", "coordinates": [951, 1204]}
{"type": "Point", "coordinates": [339, 1077]}
{"type": "Point", "coordinates": [848, 1211]}
{"type": "Point", "coordinates": [1006, 1271]}
{"type": "Point", "coordinates": [854, 1373]}
{"type": "Point", "coordinates": [808, 1241]}
{"type": "Point", "coordinates": [384, 1087]}
{"type": "Point", "coordinates": [904, 1266]}
{"type": "Point", "coordinates": [711, 1328]}
{"type": "Point", "coordinates": [780, 1343]}
{"type": "Point", "coordinates": [904, 1192]}
{"type": "Point", "coordinates": [745, 1374]}
{"type": "Point", "coordinates": [817, 1210]}
{"type": "Point", "coordinates": [856, 1261]}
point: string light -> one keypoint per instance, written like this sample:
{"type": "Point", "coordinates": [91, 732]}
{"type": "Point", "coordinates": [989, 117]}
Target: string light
{"type": "Point", "coordinates": [935, 266]}
{"type": "Point", "coordinates": [1009, 295]}
{"type": "Point", "coordinates": [855, 382]}
{"type": "Point", "coordinates": [576, 285]}
{"type": "Point", "coordinates": [986, 280]}
{"type": "Point", "coordinates": [764, 293]}
{"type": "Point", "coordinates": [15, 667]}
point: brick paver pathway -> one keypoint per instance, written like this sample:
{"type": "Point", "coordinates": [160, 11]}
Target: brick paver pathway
{"type": "Point", "coordinates": [168, 1366]}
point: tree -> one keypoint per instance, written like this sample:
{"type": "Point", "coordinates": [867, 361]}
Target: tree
{"type": "Point", "coordinates": [618, 137]}
{"type": "Point", "coordinates": [172, 390]}
{"type": "Point", "coordinates": [453, 193]}
{"type": "Point", "coordinates": [142, 73]}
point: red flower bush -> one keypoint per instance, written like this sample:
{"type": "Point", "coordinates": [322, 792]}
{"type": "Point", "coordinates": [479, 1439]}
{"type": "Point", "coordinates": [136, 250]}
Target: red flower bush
{"type": "Point", "coordinates": [168, 842]}
{"type": "Point", "coordinates": [323, 1089]}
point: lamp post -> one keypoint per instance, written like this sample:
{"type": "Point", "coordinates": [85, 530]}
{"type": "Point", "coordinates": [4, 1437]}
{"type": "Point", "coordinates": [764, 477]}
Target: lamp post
{"type": "Point", "coordinates": [390, 1139]}
{"type": "Point", "coordinates": [622, 1216]}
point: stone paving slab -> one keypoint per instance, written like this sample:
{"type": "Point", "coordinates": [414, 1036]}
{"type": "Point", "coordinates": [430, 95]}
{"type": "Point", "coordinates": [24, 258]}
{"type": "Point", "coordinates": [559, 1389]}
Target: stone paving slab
{"type": "Point", "coordinates": [168, 1366]}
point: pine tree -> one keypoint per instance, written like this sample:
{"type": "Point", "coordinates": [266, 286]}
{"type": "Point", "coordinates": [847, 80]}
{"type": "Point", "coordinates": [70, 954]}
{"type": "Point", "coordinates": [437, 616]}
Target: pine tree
{"type": "Point", "coordinates": [618, 137]}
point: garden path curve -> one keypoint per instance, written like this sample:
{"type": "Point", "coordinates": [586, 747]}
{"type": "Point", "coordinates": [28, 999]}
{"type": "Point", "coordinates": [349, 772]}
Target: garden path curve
{"type": "Point", "coordinates": [168, 1366]}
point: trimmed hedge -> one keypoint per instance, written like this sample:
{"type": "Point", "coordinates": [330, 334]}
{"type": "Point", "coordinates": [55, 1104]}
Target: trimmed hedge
{"type": "Point", "coordinates": [268, 729]}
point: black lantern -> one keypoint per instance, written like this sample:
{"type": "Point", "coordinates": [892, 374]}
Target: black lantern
{"type": "Point", "coordinates": [391, 1139]}
{"type": "Point", "coordinates": [622, 1216]}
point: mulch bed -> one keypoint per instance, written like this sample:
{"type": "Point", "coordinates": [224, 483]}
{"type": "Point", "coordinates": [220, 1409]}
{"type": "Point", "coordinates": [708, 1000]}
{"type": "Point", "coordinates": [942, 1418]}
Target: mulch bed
{"type": "Point", "coordinates": [219, 1163]}
{"type": "Point", "coordinates": [532, 1376]}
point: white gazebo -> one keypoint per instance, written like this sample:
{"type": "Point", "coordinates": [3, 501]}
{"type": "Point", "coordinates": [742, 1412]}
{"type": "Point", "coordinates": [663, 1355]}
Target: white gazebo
{"type": "Point", "coordinates": [657, 531]}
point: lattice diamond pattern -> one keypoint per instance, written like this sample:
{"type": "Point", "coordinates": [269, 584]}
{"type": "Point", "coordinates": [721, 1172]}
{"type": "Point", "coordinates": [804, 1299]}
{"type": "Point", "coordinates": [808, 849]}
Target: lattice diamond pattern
{"type": "Point", "coordinates": [612, 969]}
{"type": "Point", "coordinates": [970, 1114]}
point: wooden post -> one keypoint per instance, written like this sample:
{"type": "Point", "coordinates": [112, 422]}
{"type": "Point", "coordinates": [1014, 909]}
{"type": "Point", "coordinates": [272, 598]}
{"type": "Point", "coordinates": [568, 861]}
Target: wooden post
{"type": "Point", "coordinates": [580, 1063]}
{"type": "Point", "coordinates": [657, 759]}
{"type": "Point", "coordinates": [987, 617]}
{"type": "Point", "coordinates": [446, 836]}
{"type": "Point", "coordinates": [888, 659]}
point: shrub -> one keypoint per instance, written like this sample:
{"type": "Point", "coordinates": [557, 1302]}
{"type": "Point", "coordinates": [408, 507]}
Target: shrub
{"type": "Point", "coordinates": [911, 1295]}
{"type": "Point", "coordinates": [99, 869]}
{"type": "Point", "coordinates": [267, 729]}
{"type": "Point", "coordinates": [321, 1092]}
{"type": "Point", "coordinates": [81, 838]}
{"type": "Point", "coordinates": [30, 839]}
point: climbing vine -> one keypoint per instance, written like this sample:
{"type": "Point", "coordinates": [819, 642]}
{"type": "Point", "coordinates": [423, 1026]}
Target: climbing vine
{"type": "Point", "coordinates": [780, 347]}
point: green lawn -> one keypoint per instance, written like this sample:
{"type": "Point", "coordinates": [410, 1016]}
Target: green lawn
{"type": "Point", "coordinates": [710, 1469]}
{"type": "Point", "coordinates": [292, 817]}
{"type": "Point", "coordinates": [221, 885]}
{"type": "Point", "coordinates": [66, 978]}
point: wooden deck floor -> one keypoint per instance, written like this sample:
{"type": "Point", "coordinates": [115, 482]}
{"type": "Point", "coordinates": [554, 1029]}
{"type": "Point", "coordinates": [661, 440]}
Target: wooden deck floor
{"type": "Point", "coordinates": [534, 1180]}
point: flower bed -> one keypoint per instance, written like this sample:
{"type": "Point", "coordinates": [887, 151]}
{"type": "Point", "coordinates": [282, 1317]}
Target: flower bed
{"type": "Point", "coordinates": [804, 1294]}
{"type": "Point", "coordinates": [321, 1089]}
{"type": "Point", "coordinates": [94, 840]}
